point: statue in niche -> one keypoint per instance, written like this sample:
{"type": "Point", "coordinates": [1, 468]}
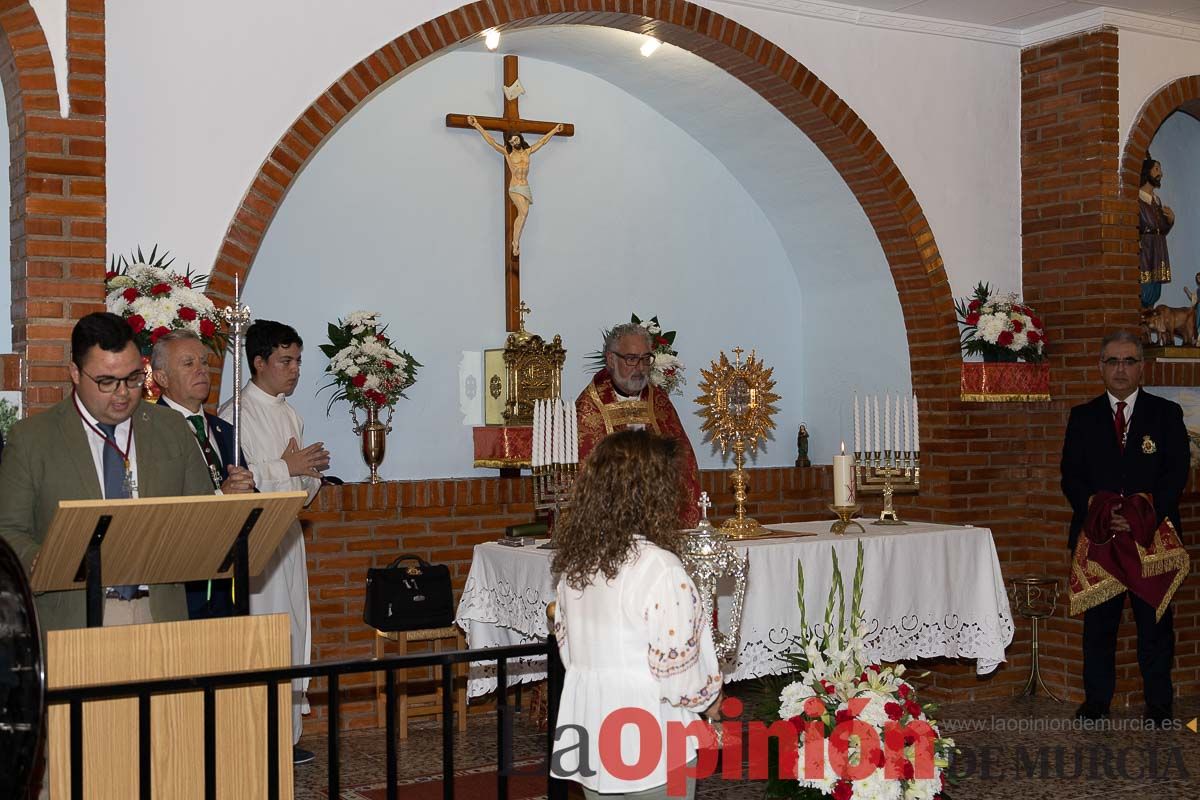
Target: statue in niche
{"type": "Point", "coordinates": [517, 152]}
{"type": "Point", "coordinates": [1155, 221]}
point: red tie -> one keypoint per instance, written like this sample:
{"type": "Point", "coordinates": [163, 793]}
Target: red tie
{"type": "Point", "coordinates": [1119, 424]}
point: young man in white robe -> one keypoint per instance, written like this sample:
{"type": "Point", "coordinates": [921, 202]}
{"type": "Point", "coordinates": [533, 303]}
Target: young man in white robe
{"type": "Point", "coordinates": [272, 436]}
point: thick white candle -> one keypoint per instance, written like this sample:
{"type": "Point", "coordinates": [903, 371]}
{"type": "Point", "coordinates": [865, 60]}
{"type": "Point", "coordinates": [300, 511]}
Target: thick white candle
{"type": "Point", "coordinates": [843, 479]}
{"type": "Point", "coordinates": [916, 425]}
{"type": "Point", "coordinates": [857, 436]}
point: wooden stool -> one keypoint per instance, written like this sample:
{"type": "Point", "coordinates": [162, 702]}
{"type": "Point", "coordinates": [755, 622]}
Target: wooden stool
{"type": "Point", "coordinates": [424, 704]}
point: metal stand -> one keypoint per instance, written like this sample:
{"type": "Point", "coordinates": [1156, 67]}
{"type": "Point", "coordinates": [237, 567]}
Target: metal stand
{"type": "Point", "coordinates": [1035, 598]}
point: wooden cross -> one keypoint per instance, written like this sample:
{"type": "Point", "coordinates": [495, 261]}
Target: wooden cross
{"type": "Point", "coordinates": [510, 124]}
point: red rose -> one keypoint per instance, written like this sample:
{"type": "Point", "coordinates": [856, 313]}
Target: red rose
{"type": "Point", "coordinates": [130, 294]}
{"type": "Point", "coordinates": [1004, 339]}
{"type": "Point", "coordinates": [913, 708]}
{"type": "Point", "coordinates": [187, 282]}
{"type": "Point", "coordinates": [1017, 326]}
{"type": "Point", "coordinates": [661, 341]}
{"type": "Point", "coordinates": [799, 723]}
{"type": "Point", "coordinates": [972, 318]}
{"type": "Point", "coordinates": [904, 690]}
{"type": "Point", "coordinates": [208, 328]}
{"type": "Point", "coordinates": [389, 366]}
{"type": "Point", "coordinates": [1035, 322]}
{"type": "Point", "coordinates": [187, 314]}
{"type": "Point", "coordinates": [158, 333]}
{"type": "Point", "coordinates": [907, 771]}
{"type": "Point", "coordinates": [160, 288]}
{"type": "Point", "coordinates": [893, 710]}
{"type": "Point", "coordinates": [358, 381]}
{"type": "Point", "coordinates": [843, 790]}
{"type": "Point", "coordinates": [137, 322]}
{"type": "Point", "coordinates": [376, 397]}
{"type": "Point", "coordinates": [1034, 337]}
{"type": "Point", "coordinates": [379, 337]}
{"type": "Point", "coordinates": [112, 273]}
{"type": "Point", "coordinates": [974, 305]}
{"type": "Point", "coordinates": [844, 715]}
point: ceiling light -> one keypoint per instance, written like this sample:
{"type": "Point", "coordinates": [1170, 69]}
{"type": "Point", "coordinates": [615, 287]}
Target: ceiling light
{"type": "Point", "coordinates": [649, 46]}
{"type": "Point", "coordinates": [491, 37]}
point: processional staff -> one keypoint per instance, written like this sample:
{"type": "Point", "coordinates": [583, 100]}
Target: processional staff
{"type": "Point", "coordinates": [237, 317]}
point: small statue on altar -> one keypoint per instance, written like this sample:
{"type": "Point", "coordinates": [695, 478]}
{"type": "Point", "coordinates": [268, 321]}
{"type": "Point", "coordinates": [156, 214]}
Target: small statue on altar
{"type": "Point", "coordinates": [802, 447]}
{"type": "Point", "coordinates": [1155, 221]}
{"type": "Point", "coordinates": [517, 152]}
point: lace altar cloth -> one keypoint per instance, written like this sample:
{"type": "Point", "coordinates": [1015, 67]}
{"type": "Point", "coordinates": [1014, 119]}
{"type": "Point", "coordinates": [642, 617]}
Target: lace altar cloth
{"type": "Point", "coordinates": [928, 591]}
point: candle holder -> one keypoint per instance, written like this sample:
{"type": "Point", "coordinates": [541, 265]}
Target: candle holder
{"type": "Point", "coordinates": [1035, 597]}
{"type": "Point", "coordinates": [844, 521]}
{"type": "Point", "coordinates": [887, 472]}
{"type": "Point", "coordinates": [552, 485]}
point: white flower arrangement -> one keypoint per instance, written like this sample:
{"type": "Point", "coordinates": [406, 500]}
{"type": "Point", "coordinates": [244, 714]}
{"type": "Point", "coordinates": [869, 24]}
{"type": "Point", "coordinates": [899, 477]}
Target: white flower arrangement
{"type": "Point", "coordinates": [365, 369]}
{"type": "Point", "coordinates": [155, 300]}
{"type": "Point", "coordinates": [1000, 327]}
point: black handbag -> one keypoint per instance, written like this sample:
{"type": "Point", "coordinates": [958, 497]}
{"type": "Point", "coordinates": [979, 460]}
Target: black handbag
{"type": "Point", "coordinates": [410, 597]}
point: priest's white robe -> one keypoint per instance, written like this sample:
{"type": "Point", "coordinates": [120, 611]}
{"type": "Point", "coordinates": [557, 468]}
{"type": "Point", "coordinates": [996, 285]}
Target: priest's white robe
{"type": "Point", "coordinates": [268, 422]}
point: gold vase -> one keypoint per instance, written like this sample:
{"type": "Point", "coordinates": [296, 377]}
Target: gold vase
{"type": "Point", "coordinates": [374, 438]}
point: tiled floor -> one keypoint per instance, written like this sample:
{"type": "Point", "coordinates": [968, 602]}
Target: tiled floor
{"type": "Point", "coordinates": [1014, 748]}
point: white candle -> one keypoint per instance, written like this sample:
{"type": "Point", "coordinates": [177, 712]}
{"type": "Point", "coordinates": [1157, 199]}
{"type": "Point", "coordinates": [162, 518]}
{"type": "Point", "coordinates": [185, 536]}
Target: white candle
{"type": "Point", "coordinates": [562, 432]}
{"type": "Point", "coordinates": [857, 437]}
{"type": "Point", "coordinates": [887, 422]}
{"type": "Point", "coordinates": [557, 438]}
{"type": "Point", "coordinates": [916, 425]}
{"type": "Point", "coordinates": [896, 426]}
{"type": "Point", "coordinates": [907, 427]}
{"type": "Point", "coordinates": [573, 447]}
{"type": "Point", "coordinates": [843, 479]}
{"type": "Point", "coordinates": [535, 454]}
{"type": "Point", "coordinates": [875, 423]}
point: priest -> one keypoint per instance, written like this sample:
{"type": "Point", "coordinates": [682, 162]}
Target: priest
{"type": "Point", "coordinates": [621, 396]}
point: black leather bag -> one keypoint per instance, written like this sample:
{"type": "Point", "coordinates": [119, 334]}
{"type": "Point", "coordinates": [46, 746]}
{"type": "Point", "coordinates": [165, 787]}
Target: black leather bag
{"type": "Point", "coordinates": [410, 597]}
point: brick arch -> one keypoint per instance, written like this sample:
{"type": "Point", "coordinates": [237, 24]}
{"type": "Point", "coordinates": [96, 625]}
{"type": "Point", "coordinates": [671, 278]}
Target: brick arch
{"type": "Point", "coordinates": [798, 94]}
{"type": "Point", "coordinates": [1182, 94]}
{"type": "Point", "coordinates": [57, 180]}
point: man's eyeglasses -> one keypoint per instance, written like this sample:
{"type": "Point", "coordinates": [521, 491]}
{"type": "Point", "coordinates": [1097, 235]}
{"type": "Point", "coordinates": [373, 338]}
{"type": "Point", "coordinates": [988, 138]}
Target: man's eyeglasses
{"type": "Point", "coordinates": [107, 384]}
{"type": "Point", "coordinates": [1127, 363]}
{"type": "Point", "coordinates": [635, 359]}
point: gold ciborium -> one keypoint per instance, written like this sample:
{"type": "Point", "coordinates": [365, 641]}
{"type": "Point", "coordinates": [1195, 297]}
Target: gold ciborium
{"type": "Point", "coordinates": [737, 406]}
{"type": "Point", "coordinates": [374, 437]}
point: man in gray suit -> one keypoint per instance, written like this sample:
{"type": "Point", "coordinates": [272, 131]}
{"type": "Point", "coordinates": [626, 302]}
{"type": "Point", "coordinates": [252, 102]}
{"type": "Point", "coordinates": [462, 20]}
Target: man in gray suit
{"type": "Point", "coordinates": [101, 442]}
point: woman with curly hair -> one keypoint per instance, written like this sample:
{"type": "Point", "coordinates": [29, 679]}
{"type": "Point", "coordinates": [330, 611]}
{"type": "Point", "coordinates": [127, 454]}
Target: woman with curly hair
{"type": "Point", "coordinates": [630, 627]}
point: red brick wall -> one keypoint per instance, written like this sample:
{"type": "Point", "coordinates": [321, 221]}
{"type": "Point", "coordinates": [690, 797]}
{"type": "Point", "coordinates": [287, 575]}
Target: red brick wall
{"type": "Point", "coordinates": [57, 218]}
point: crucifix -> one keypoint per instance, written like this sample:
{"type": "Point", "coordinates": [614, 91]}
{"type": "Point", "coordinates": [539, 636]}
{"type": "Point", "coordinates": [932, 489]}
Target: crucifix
{"type": "Point", "coordinates": [517, 195]}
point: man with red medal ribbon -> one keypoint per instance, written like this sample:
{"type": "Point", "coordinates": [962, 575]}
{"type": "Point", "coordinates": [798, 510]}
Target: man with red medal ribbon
{"type": "Point", "coordinates": [100, 442]}
{"type": "Point", "coordinates": [620, 397]}
{"type": "Point", "coordinates": [1125, 462]}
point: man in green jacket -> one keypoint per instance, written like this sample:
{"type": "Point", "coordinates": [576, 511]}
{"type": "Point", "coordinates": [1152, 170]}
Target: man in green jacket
{"type": "Point", "coordinates": [101, 442]}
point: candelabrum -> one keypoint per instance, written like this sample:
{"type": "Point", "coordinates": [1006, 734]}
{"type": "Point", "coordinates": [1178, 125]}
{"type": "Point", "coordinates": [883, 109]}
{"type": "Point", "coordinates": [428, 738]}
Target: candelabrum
{"type": "Point", "coordinates": [887, 472]}
{"type": "Point", "coordinates": [551, 491]}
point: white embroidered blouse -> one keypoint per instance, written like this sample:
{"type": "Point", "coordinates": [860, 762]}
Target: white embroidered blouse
{"type": "Point", "coordinates": [638, 641]}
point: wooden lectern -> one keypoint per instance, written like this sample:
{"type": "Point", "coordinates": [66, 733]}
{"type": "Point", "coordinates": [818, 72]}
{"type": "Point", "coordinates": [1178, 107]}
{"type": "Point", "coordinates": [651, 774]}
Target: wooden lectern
{"type": "Point", "coordinates": [93, 543]}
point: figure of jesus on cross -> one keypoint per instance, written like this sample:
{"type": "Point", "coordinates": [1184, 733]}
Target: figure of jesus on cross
{"type": "Point", "coordinates": [516, 152]}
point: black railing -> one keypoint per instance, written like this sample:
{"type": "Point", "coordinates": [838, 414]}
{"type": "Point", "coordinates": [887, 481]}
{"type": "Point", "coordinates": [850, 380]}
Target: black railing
{"type": "Point", "coordinates": [270, 679]}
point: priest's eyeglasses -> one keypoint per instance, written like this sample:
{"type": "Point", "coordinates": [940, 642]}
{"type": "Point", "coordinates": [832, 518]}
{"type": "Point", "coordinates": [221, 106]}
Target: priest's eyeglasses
{"type": "Point", "coordinates": [1127, 363]}
{"type": "Point", "coordinates": [107, 384]}
{"type": "Point", "coordinates": [635, 359]}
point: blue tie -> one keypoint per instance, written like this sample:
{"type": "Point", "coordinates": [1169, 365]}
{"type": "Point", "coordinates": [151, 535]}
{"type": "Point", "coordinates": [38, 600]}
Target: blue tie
{"type": "Point", "coordinates": [114, 485]}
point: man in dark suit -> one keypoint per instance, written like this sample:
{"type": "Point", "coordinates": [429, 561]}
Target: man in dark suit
{"type": "Point", "coordinates": [180, 363]}
{"type": "Point", "coordinates": [1128, 442]}
{"type": "Point", "coordinates": [100, 442]}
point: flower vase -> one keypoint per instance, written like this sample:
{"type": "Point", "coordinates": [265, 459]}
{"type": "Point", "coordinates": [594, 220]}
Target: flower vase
{"type": "Point", "coordinates": [374, 438]}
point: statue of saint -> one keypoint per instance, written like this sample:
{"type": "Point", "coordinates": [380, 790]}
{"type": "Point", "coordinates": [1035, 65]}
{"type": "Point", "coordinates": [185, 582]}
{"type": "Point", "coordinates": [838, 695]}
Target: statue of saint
{"type": "Point", "coordinates": [516, 152]}
{"type": "Point", "coordinates": [802, 447]}
{"type": "Point", "coordinates": [1154, 223]}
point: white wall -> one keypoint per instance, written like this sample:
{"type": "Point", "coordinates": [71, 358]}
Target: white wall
{"type": "Point", "coordinates": [1148, 63]}
{"type": "Point", "coordinates": [399, 214]}
{"type": "Point", "coordinates": [187, 136]}
{"type": "Point", "coordinates": [1177, 147]}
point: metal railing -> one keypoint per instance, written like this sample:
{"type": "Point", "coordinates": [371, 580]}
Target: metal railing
{"type": "Point", "coordinates": [270, 679]}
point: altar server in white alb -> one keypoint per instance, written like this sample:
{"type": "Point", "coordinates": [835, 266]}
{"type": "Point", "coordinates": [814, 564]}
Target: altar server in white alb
{"type": "Point", "coordinates": [272, 435]}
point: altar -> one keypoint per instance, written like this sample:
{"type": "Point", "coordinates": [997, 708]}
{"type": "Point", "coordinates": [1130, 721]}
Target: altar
{"type": "Point", "coordinates": [928, 591]}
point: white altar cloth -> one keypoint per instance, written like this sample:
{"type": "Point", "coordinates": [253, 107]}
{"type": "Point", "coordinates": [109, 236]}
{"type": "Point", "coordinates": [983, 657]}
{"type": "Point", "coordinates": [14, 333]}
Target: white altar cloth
{"type": "Point", "coordinates": [928, 591]}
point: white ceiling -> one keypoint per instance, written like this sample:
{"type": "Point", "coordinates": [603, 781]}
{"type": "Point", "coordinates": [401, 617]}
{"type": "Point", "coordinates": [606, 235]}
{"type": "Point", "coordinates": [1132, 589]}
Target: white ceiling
{"type": "Point", "coordinates": [1019, 15]}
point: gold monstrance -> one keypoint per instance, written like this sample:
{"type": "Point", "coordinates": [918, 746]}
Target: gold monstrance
{"type": "Point", "coordinates": [737, 408]}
